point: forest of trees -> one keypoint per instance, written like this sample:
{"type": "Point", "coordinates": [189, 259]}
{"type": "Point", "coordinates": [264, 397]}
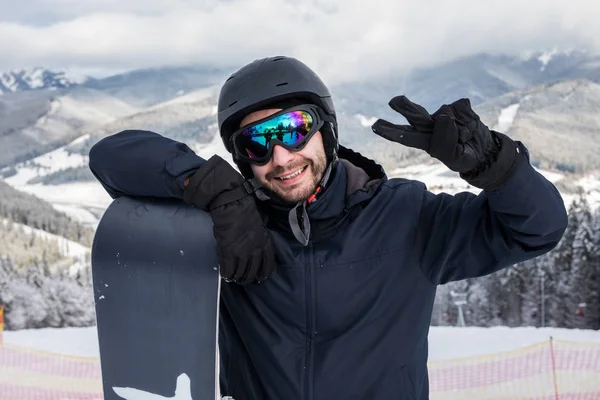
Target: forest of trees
{"type": "Point", "coordinates": [568, 277]}
{"type": "Point", "coordinates": [36, 295]}
{"type": "Point", "coordinates": [36, 286]}
{"type": "Point", "coordinates": [29, 210]}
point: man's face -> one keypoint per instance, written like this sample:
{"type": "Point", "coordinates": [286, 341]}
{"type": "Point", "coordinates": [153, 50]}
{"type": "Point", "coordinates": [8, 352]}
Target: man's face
{"type": "Point", "coordinates": [279, 174]}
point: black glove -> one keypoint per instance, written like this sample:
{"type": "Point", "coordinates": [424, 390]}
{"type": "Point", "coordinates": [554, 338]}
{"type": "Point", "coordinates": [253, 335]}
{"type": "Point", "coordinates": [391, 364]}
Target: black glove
{"type": "Point", "coordinates": [244, 246]}
{"type": "Point", "coordinates": [455, 135]}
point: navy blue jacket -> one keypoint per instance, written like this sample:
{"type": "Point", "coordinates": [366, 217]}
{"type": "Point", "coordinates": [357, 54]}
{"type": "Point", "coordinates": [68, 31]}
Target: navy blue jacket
{"type": "Point", "coordinates": [347, 316]}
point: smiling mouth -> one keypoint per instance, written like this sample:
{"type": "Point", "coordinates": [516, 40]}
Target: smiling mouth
{"type": "Point", "coordinates": [292, 175]}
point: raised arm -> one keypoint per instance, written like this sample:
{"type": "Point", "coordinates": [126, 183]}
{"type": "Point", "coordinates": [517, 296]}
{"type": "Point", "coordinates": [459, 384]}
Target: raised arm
{"type": "Point", "coordinates": [466, 235]}
{"type": "Point", "coordinates": [519, 214]}
{"type": "Point", "coordinates": [142, 163]}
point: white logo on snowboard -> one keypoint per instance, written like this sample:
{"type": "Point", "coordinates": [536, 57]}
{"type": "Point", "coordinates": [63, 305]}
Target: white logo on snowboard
{"type": "Point", "coordinates": [183, 391]}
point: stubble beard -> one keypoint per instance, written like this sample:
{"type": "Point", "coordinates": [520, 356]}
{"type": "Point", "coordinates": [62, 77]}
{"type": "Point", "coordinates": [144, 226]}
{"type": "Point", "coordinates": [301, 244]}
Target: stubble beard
{"type": "Point", "coordinates": [301, 191]}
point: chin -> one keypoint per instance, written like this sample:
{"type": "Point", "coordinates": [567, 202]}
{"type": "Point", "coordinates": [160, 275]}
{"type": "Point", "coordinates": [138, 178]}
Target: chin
{"type": "Point", "coordinates": [295, 194]}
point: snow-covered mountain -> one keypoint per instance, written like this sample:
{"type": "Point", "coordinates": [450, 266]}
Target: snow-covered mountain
{"type": "Point", "coordinates": [559, 122]}
{"type": "Point", "coordinates": [36, 121]}
{"type": "Point", "coordinates": [479, 77]}
{"type": "Point", "coordinates": [548, 100]}
{"type": "Point", "coordinates": [62, 176]}
{"type": "Point", "coordinates": [35, 79]}
{"type": "Point", "coordinates": [151, 86]}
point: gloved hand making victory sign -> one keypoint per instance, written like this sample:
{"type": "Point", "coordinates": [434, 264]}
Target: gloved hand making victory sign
{"type": "Point", "coordinates": [455, 135]}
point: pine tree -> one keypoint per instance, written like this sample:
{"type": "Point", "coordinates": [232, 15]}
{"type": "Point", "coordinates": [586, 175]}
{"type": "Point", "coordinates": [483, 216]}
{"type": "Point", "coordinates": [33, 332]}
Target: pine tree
{"type": "Point", "coordinates": [591, 284]}
{"type": "Point", "coordinates": [578, 298]}
{"type": "Point", "coordinates": [559, 284]}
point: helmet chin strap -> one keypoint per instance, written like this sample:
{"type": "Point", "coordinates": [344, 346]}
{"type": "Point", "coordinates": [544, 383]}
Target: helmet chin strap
{"type": "Point", "coordinates": [297, 216]}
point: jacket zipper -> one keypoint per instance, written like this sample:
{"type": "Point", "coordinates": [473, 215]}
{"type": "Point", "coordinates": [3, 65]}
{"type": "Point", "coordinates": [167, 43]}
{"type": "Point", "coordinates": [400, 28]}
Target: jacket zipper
{"type": "Point", "coordinates": [308, 366]}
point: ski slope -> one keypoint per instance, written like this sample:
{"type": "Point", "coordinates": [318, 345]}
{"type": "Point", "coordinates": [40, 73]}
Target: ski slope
{"type": "Point", "coordinates": [444, 342]}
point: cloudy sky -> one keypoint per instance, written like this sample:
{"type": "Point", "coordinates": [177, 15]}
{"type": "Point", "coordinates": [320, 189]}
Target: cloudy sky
{"type": "Point", "coordinates": [341, 39]}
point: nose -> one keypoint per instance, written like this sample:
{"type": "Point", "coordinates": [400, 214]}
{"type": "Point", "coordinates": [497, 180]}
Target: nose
{"type": "Point", "coordinates": [281, 156]}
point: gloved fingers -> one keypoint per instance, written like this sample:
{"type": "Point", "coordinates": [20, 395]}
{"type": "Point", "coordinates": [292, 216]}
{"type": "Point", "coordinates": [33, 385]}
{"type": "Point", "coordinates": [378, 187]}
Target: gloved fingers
{"type": "Point", "coordinates": [253, 266]}
{"type": "Point", "coordinates": [403, 134]}
{"type": "Point", "coordinates": [416, 115]}
{"type": "Point", "coordinates": [444, 140]}
{"type": "Point", "coordinates": [463, 111]}
{"type": "Point", "coordinates": [240, 273]}
{"type": "Point", "coordinates": [268, 264]}
{"type": "Point", "coordinates": [471, 157]}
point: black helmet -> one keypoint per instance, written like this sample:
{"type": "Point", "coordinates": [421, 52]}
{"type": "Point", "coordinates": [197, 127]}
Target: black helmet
{"type": "Point", "coordinates": [267, 82]}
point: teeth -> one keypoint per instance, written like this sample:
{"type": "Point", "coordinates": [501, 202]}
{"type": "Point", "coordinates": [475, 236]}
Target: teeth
{"type": "Point", "coordinates": [290, 176]}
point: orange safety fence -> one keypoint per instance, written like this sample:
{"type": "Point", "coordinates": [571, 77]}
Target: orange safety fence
{"type": "Point", "coordinates": [27, 374]}
{"type": "Point", "coordinates": [552, 370]}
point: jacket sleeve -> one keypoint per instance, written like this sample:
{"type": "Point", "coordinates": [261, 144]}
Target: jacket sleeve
{"type": "Point", "coordinates": [467, 235]}
{"type": "Point", "coordinates": [142, 163]}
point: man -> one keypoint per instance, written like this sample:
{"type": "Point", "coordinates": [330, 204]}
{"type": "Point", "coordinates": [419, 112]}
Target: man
{"type": "Point", "coordinates": [331, 267]}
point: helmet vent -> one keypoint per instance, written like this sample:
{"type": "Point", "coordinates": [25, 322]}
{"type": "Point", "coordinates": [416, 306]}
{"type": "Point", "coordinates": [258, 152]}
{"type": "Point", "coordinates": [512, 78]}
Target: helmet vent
{"type": "Point", "coordinates": [278, 58]}
{"type": "Point", "coordinates": [232, 104]}
{"type": "Point", "coordinates": [230, 78]}
{"type": "Point", "coordinates": [281, 84]}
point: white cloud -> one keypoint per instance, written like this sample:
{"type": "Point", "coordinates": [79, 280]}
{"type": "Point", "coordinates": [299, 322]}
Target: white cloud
{"type": "Point", "coordinates": [341, 39]}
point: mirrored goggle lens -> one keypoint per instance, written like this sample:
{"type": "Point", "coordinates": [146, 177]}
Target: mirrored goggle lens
{"type": "Point", "coordinates": [289, 128]}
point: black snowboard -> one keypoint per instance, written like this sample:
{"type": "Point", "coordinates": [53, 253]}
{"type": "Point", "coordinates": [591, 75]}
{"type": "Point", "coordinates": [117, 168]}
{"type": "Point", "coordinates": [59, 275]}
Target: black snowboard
{"type": "Point", "coordinates": [156, 288]}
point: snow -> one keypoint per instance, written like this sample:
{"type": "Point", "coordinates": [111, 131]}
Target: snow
{"type": "Point", "coordinates": [205, 94]}
{"type": "Point", "coordinates": [545, 58]}
{"type": "Point", "coordinates": [438, 177]}
{"type": "Point", "coordinates": [8, 80]}
{"type": "Point", "coordinates": [35, 78]}
{"type": "Point", "coordinates": [506, 118]}
{"type": "Point", "coordinates": [77, 199]}
{"type": "Point", "coordinates": [451, 342]}
{"type": "Point", "coordinates": [77, 213]}
{"type": "Point", "coordinates": [590, 183]}
{"type": "Point", "coordinates": [45, 164]}
{"type": "Point", "coordinates": [444, 342]}
{"type": "Point", "coordinates": [366, 121]}
{"type": "Point", "coordinates": [70, 341]}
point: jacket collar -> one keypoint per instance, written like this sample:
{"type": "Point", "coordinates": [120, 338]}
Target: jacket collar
{"type": "Point", "coordinates": [353, 180]}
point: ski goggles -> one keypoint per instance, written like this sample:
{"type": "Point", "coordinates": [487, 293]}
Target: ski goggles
{"type": "Point", "coordinates": [291, 128]}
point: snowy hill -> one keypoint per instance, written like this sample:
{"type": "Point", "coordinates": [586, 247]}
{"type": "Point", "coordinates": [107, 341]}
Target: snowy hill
{"type": "Point", "coordinates": [33, 122]}
{"type": "Point", "coordinates": [34, 79]}
{"type": "Point", "coordinates": [54, 129]}
{"type": "Point", "coordinates": [62, 176]}
{"type": "Point", "coordinates": [71, 256]}
{"type": "Point", "coordinates": [83, 200]}
{"type": "Point", "coordinates": [148, 87]}
{"type": "Point", "coordinates": [559, 122]}
{"type": "Point", "coordinates": [189, 118]}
